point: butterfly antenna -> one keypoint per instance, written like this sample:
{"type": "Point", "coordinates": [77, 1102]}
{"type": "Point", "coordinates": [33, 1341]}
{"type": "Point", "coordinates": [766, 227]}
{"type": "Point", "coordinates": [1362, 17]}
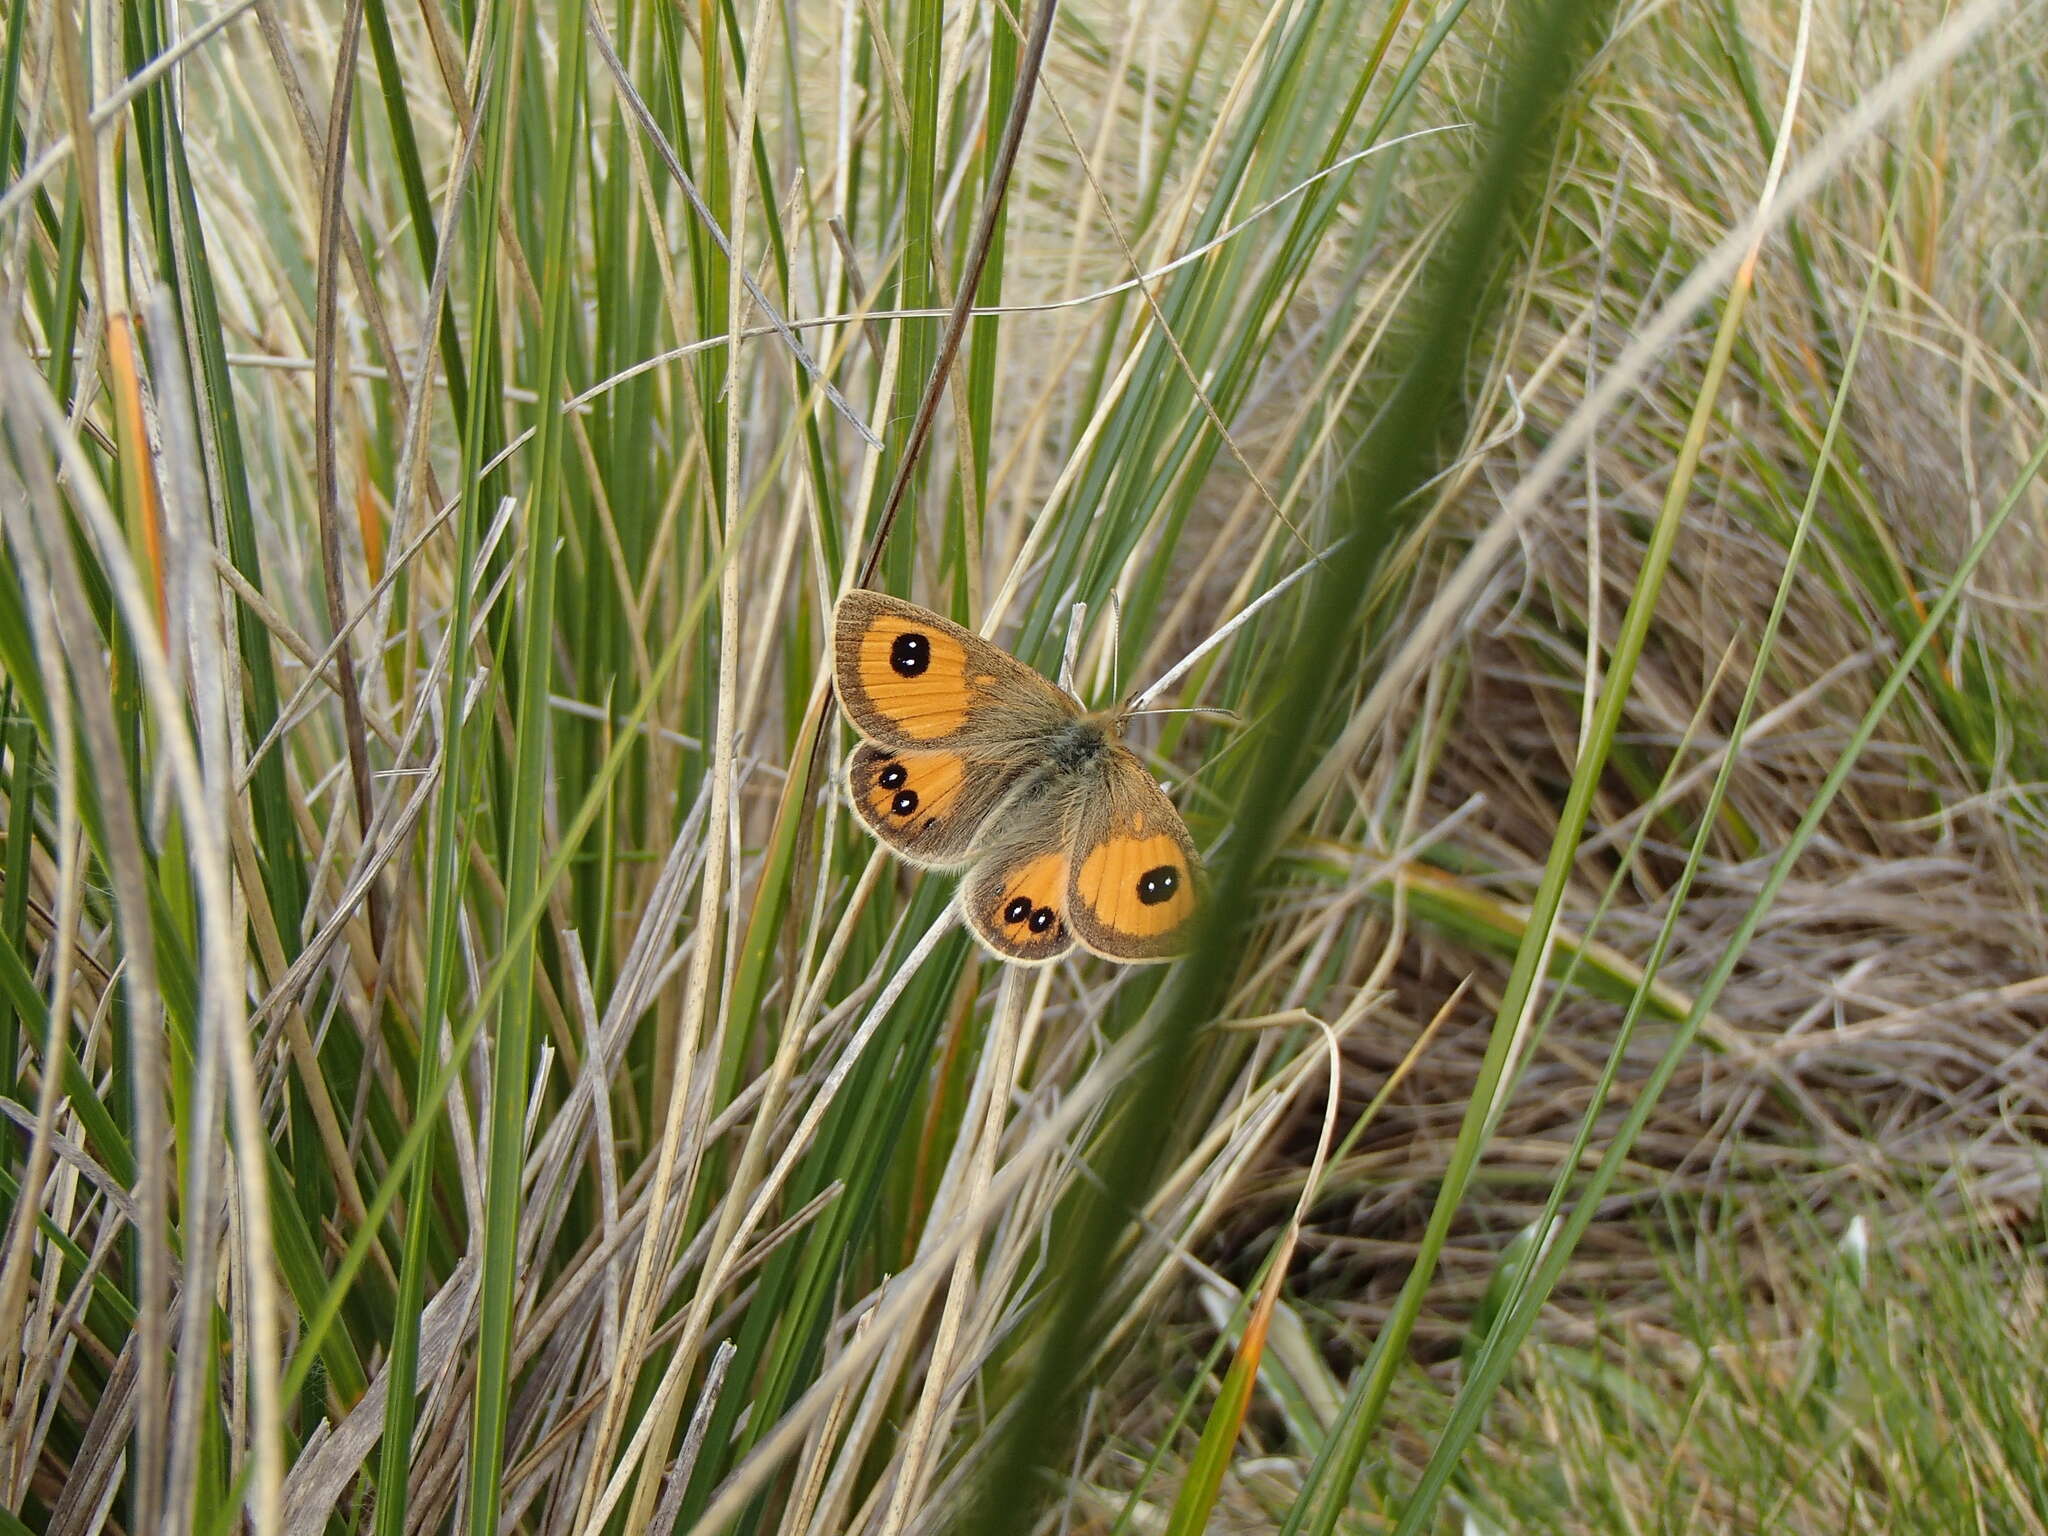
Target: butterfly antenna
{"type": "Point", "coordinates": [1214, 711]}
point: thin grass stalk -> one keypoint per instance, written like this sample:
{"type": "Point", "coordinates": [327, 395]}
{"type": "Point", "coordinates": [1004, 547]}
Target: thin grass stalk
{"type": "Point", "coordinates": [983, 244]}
{"type": "Point", "coordinates": [221, 1014]}
{"type": "Point", "coordinates": [430, 239]}
{"type": "Point", "coordinates": [710, 1017]}
{"type": "Point", "coordinates": [393, 1481]}
{"type": "Point", "coordinates": [334, 175]}
{"type": "Point", "coordinates": [533, 725]}
{"type": "Point", "coordinates": [13, 146]}
{"type": "Point", "coordinates": [60, 732]}
{"type": "Point", "coordinates": [525, 639]}
{"type": "Point", "coordinates": [18, 740]}
{"type": "Point", "coordinates": [195, 597]}
{"type": "Point", "coordinates": [999, 1057]}
{"type": "Point", "coordinates": [144, 1079]}
{"type": "Point", "coordinates": [392, 1478]}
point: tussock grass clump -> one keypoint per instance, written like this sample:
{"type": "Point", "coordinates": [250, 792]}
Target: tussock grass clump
{"type": "Point", "coordinates": [467, 1070]}
{"type": "Point", "coordinates": [1882, 1017]}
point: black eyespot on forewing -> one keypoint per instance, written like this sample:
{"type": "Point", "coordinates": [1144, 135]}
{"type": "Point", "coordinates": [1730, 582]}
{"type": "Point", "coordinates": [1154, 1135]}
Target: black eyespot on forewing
{"type": "Point", "coordinates": [892, 777]}
{"type": "Point", "coordinates": [1042, 920]}
{"type": "Point", "coordinates": [904, 803]}
{"type": "Point", "coordinates": [1018, 909]}
{"type": "Point", "coordinates": [911, 654]}
{"type": "Point", "coordinates": [1157, 885]}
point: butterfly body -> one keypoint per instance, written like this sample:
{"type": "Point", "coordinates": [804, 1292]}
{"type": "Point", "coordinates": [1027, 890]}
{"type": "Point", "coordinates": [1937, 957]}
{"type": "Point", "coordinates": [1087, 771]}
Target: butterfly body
{"type": "Point", "coordinates": [1082, 746]}
{"type": "Point", "coordinates": [970, 759]}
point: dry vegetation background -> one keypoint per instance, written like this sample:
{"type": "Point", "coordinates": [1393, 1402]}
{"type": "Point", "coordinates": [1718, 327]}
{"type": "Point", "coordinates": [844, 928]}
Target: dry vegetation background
{"type": "Point", "coordinates": [562, 1011]}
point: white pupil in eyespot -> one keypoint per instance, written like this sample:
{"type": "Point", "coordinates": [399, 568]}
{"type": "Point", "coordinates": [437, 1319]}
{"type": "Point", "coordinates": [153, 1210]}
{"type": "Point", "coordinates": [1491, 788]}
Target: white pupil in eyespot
{"type": "Point", "coordinates": [1157, 885]}
{"type": "Point", "coordinates": [910, 655]}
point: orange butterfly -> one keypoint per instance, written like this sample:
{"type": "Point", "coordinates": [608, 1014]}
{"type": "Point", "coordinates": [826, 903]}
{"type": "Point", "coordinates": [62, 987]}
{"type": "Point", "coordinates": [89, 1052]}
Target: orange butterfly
{"type": "Point", "coordinates": [970, 758]}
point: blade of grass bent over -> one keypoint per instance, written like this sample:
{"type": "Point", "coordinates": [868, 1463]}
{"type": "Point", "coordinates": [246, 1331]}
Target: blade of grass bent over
{"type": "Point", "coordinates": [1197, 1498]}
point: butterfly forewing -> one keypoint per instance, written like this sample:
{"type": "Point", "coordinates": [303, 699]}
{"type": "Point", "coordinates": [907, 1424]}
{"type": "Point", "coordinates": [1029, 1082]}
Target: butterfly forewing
{"type": "Point", "coordinates": [1131, 888]}
{"type": "Point", "coordinates": [909, 679]}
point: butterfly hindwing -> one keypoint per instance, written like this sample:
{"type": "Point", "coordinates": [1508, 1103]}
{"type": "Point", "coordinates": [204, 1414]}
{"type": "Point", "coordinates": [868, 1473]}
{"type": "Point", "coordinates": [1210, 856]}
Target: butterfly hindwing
{"type": "Point", "coordinates": [927, 806]}
{"type": "Point", "coordinates": [909, 679]}
{"type": "Point", "coordinates": [1131, 887]}
{"type": "Point", "coordinates": [1015, 896]}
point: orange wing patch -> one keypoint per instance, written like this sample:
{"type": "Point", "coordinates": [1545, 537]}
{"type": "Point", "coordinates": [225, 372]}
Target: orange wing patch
{"type": "Point", "coordinates": [1019, 909]}
{"type": "Point", "coordinates": [916, 677]}
{"type": "Point", "coordinates": [913, 789]}
{"type": "Point", "coordinates": [1136, 887]}
{"type": "Point", "coordinates": [928, 806]}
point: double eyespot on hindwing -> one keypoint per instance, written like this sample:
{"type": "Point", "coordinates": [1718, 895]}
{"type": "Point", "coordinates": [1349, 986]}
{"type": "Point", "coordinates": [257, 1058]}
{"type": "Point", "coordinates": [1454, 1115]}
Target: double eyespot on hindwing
{"type": "Point", "coordinates": [970, 759]}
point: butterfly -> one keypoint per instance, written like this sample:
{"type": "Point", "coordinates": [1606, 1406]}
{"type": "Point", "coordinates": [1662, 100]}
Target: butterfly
{"type": "Point", "coordinates": [970, 759]}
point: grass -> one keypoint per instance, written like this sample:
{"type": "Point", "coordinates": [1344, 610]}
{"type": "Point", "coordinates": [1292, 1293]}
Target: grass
{"type": "Point", "coordinates": [466, 1072]}
{"type": "Point", "coordinates": [1860, 1382]}
{"type": "Point", "coordinates": [1754, 1372]}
